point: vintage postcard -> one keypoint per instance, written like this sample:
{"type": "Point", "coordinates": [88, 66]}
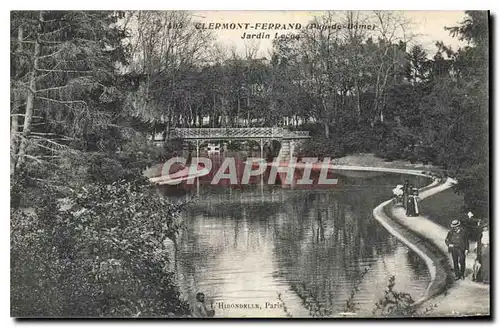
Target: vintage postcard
{"type": "Point", "coordinates": [249, 164]}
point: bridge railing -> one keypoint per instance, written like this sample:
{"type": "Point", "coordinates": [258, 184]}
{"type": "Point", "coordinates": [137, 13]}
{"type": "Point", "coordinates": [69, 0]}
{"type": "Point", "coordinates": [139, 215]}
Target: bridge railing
{"type": "Point", "coordinates": [258, 132]}
{"type": "Point", "coordinates": [297, 134]}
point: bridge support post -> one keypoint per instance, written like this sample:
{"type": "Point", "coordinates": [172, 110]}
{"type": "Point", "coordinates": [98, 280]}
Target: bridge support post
{"type": "Point", "coordinates": [197, 156]}
{"type": "Point", "coordinates": [261, 142]}
{"type": "Point", "coordinates": [262, 158]}
{"type": "Point", "coordinates": [197, 148]}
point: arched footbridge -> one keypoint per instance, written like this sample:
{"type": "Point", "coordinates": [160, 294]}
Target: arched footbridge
{"type": "Point", "coordinates": [287, 138]}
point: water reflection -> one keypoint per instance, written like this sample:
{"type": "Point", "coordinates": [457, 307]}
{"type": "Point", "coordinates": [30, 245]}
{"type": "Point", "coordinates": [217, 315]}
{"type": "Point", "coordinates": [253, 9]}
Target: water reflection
{"type": "Point", "coordinates": [245, 246]}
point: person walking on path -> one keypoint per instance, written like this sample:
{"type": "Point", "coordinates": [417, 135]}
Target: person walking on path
{"type": "Point", "coordinates": [412, 206]}
{"type": "Point", "coordinates": [406, 192]}
{"type": "Point", "coordinates": [484, 254]}
{"type": "Point", "coordinates": [458, 245]}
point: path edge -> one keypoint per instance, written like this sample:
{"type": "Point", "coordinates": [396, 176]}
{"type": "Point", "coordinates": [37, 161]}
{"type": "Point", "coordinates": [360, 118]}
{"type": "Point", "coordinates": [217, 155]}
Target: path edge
{"type": "Point", "coordinates": [435, 260]}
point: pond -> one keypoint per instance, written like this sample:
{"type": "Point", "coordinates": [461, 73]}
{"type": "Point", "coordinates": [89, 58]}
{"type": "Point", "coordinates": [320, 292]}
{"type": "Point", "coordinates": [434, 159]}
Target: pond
{"type": "Point", "coordinates": [271, 251]}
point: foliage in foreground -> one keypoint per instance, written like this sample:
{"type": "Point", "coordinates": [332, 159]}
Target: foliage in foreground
{"type": "Point", "coordinates": [104, 256]}
{"type": "Point", "coordinates": [394, 303]}
{"type": "Point", "coordinates": [87, 231]}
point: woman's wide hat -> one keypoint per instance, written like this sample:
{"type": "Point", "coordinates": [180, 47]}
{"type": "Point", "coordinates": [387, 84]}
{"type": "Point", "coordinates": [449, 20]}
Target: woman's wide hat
{"type": "Point", "coordinates": [455, 223]}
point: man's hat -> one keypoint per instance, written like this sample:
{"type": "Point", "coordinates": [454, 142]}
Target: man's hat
{"type": "Point", "coordinates": [455, 223]}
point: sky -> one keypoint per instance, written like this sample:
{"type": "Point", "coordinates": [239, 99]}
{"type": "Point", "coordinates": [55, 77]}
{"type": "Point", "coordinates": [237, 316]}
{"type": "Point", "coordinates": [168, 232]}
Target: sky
{"type": "Point", "coordinates": [427, 25]}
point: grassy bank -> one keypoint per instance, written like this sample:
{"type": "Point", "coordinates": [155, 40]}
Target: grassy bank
{"type": "Point", "coordinates": [369, 159]}
{"type": "Point", "coordinates": [443, 207]}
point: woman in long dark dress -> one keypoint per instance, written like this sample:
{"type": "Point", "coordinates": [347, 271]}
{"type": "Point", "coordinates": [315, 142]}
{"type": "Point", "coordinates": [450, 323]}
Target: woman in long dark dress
{"type": "Point", "coordinates": [412, 208]}
{"type": "Point", "coordinates": [406, 192]}
{"type": "Point", "coordinates": [485, 255]}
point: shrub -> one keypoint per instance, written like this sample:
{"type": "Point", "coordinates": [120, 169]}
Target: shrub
{"type": "Point", "coordinates": [395, 304]}
{"type": "Point", "coordinates": [103, 257]}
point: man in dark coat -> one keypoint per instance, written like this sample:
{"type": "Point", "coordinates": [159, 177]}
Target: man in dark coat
{"type": "Point", "coordinates": [472, 226]}
{"type": "Point", "coordinates": [458, 245]}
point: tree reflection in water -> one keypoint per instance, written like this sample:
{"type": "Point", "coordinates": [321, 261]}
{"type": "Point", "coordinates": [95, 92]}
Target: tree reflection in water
{"type": "Point", "coordinates": [313, 244]}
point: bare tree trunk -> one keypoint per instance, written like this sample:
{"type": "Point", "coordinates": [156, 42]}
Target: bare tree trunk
{"type": "Point", "coordinates": [14, 128]}
{"type": "Point", "coordinates": [327, 130]}
{"type": "Point", "coordinates": [384, 95]}
{"type": "Point", "coordinates": [213, 121]}
{"type": "Point", "coordinates": [238, 113]}
{"type": "Point", "coordinates": [326, 118]}
{"type": "Point", "coordinates": [375, 104]}
{"type": "Point", "coordinates": [358, 99]}
{"type": "Point", "coordinates": [30, 99]}
{"type": "Point", "coordinates": [168, 130]}
{"type": "Point", "coordinates": [381, 108]}
{"type": "Point", "coordinates": [192, 118]}
{"type": "Point", "coordinates": [13, 137]}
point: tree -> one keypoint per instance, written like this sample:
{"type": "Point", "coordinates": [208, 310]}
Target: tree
{"type": "Point", "coordinates": [63, 82]}
{"type": "Point", "coordinates": [460, 92]}
{"type": "Point", "coordinates": [96, 257]}
{"type": "Point", "coordinates": [167, 50]}
{"type": "Point", "coordinates": [86, 231]}
{"type": "Point", "coordinates": [418, 65]}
